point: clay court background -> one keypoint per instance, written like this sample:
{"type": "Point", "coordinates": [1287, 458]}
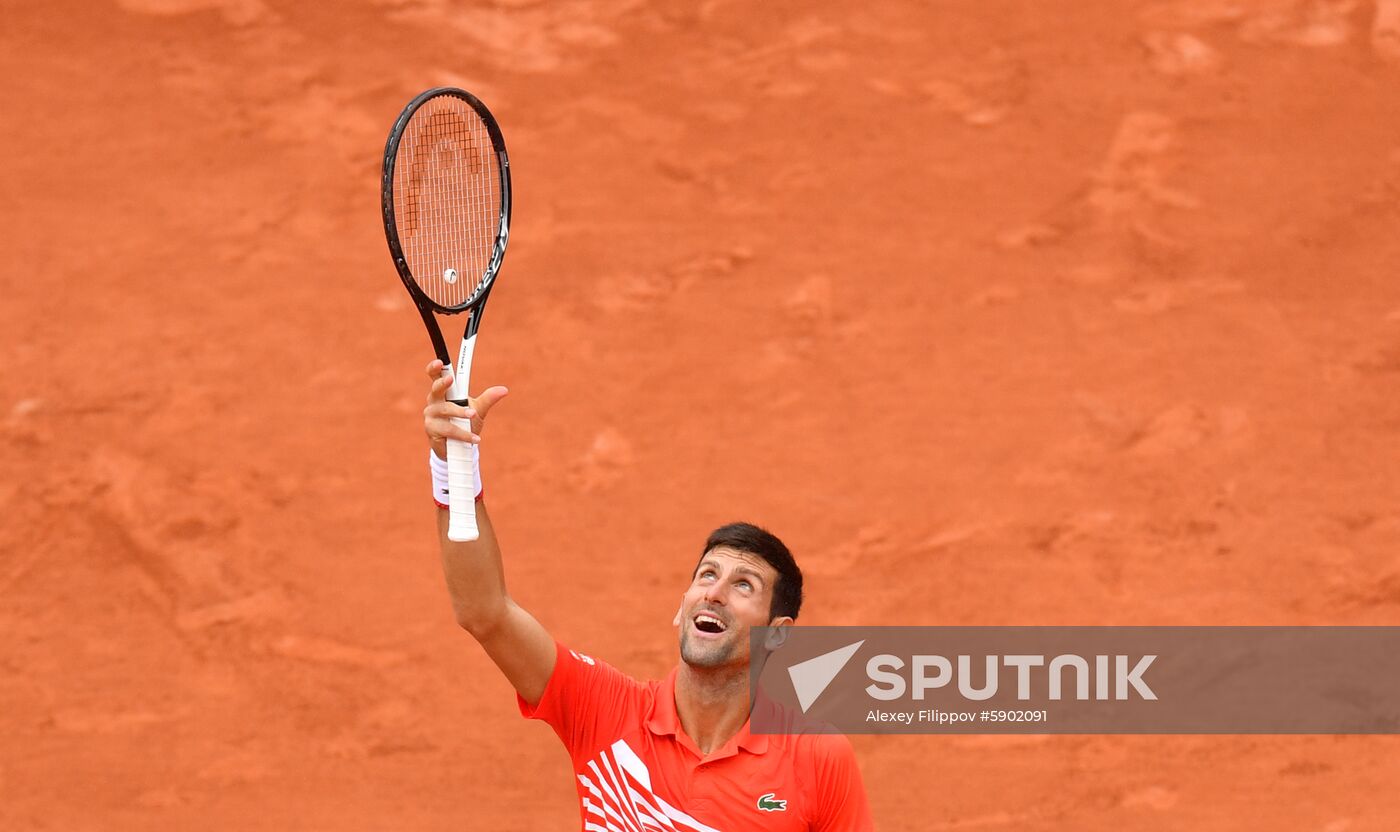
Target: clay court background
{"type": "Point", "coordinates": [999, 312]}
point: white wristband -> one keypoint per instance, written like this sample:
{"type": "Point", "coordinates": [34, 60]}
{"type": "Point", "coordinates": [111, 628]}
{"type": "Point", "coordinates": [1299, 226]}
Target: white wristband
{"type": "Point", "coordinates": [438, 467]}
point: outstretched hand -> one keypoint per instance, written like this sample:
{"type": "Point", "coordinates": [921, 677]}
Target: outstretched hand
{"type": "Point", "coordinates": [438, 415]}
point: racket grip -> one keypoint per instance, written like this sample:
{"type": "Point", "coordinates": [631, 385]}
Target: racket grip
{"type": "Point", "coordinates": [461, 487]}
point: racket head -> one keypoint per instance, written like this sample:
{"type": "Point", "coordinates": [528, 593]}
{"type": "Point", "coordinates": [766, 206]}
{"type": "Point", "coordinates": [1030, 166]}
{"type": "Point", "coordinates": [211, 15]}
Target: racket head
{"type": "Point", "coordinates": [446, 199]}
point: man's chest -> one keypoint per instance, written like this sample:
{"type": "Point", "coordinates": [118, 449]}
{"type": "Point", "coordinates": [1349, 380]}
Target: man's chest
{"type": "Point", "coordinates": [645, 780]}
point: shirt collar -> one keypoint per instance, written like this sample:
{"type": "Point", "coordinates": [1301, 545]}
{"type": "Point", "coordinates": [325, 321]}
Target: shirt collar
{"type": "Point", "coordinates": [664, 719]}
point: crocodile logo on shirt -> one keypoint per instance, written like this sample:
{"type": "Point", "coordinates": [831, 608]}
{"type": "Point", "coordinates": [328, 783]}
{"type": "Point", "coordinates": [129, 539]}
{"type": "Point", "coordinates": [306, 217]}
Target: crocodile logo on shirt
{"type": "Point", "coordinates": [768, 803]}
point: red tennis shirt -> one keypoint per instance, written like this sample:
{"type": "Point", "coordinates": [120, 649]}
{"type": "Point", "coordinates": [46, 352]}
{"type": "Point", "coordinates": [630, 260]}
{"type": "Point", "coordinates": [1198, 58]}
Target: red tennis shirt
{"type": "Point", "coordinates": [637, 771]}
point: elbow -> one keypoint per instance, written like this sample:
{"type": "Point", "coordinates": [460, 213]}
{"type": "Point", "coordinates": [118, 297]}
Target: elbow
{"type": "Point", "coordinates": [480, 622]}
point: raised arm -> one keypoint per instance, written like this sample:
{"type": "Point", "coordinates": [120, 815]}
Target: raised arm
{"type": "Point", "coordinates": [518, 644]}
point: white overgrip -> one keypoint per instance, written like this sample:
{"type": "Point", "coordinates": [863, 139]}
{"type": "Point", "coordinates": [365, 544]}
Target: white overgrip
{"type": "Point", "coordinates": [461, 494]}
{"type": "Point", "coordinates": [462, 457]}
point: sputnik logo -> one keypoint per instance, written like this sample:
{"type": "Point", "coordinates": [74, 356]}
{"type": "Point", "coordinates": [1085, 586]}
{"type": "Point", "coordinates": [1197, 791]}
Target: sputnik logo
{"type": "Point", "coordinates": [811, 677]}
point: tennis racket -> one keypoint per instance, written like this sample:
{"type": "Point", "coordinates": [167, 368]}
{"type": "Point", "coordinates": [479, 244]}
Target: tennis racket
{"type": "Point", "coordinates": [446, 201]}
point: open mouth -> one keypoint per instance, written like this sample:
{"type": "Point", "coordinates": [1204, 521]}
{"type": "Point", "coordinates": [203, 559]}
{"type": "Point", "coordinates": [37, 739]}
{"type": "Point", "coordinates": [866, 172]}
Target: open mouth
{"type": "Point", "coordinates": [707, 623]}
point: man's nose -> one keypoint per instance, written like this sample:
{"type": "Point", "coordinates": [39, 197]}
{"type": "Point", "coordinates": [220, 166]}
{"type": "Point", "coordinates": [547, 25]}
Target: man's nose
{"type": "Point", "coordinates": [715, 593]}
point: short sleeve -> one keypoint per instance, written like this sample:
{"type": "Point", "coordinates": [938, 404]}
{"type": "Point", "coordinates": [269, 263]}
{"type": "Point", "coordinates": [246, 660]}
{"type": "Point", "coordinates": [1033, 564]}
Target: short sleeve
{"type": "Point", "coordinates": [587, 702]}
{"type": "Point", "coordinates": [840, 794]}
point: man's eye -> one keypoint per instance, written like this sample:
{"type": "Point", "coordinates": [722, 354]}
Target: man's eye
{"type": "Point", "coordinates": [746, 585]}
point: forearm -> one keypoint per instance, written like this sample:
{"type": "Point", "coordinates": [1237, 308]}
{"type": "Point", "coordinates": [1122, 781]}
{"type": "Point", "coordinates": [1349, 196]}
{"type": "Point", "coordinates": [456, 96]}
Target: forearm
{"type": "Point", "coordinates": [515, 641]}
{"type": "Point", "coordinates": [475, 575]}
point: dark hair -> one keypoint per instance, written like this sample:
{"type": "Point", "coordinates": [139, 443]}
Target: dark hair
{"type": "Point", "coordinates": [746, 537]}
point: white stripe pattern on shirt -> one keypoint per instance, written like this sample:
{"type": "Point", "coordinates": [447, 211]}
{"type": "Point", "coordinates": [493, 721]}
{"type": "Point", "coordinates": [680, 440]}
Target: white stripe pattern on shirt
{"type": "Point", "coordinates": [620, 797]}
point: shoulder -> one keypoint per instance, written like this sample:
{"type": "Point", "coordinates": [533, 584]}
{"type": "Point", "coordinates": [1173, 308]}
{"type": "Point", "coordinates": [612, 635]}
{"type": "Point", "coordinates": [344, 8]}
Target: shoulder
{"type": "Point", "coordinates": [576, 668]}
{"type": "Point", "coordinates": [589, 703]}
{"type": "Point", "coordinates": [581, 684]}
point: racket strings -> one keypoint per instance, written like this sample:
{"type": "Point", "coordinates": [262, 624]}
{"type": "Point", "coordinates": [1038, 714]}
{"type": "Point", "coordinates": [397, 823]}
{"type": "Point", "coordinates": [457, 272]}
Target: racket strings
{"type": "Point", "coordinates": [447, 199]}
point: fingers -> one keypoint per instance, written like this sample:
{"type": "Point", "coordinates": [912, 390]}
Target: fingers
{"type": "Point", "coordinates": [488, 399]}
{"type": "Point", "coordinates": [439, 414]}
{"type": "Point", "coordinates": [452, 430]}
{"type": "Point", "coordinates": [442, 419]}
{"type": "Point", "coordinates": [447, 410]}
{"type": "Point", "coordinates": [442, 382]}
{"type": "Point", "coordinates": [445, 420]}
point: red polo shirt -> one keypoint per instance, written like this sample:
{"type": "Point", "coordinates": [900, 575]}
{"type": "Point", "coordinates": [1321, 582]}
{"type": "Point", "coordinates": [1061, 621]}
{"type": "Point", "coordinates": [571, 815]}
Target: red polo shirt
{"type": "Point", "coordinates": [637, 771]}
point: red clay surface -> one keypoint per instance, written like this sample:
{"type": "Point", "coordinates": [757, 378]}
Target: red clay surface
{"type": "Point", "coordinates": [998, 312]}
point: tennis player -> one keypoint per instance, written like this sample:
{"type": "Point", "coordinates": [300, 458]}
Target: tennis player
{"type": "Point", "coordinates": [674, 754]}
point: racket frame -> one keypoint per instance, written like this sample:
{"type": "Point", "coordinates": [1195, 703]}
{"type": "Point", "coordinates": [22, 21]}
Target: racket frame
{"type": "Point", "coordinates": [477, 299]}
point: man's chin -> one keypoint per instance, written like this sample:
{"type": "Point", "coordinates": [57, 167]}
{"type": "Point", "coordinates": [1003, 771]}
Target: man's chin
{"type": "Point", "coordinates": [703, 661]}
{"type": "Point", "coordinates": [706, 656]}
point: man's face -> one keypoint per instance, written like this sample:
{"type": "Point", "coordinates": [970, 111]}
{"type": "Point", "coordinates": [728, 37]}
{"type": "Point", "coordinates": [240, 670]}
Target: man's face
{"type": "Point", "coordinates": [731, 592]}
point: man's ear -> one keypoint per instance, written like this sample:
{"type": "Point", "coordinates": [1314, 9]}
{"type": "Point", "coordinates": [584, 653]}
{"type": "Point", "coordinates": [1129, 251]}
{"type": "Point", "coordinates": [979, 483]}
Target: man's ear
{"type": "Point", "coordinates": [676, 622]}
{"type": "Point", "coordinates": [778, 633]}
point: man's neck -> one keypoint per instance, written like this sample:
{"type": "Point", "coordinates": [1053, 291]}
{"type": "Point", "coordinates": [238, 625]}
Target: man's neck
{"type": "Point", "coordinates": [712, 704]}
